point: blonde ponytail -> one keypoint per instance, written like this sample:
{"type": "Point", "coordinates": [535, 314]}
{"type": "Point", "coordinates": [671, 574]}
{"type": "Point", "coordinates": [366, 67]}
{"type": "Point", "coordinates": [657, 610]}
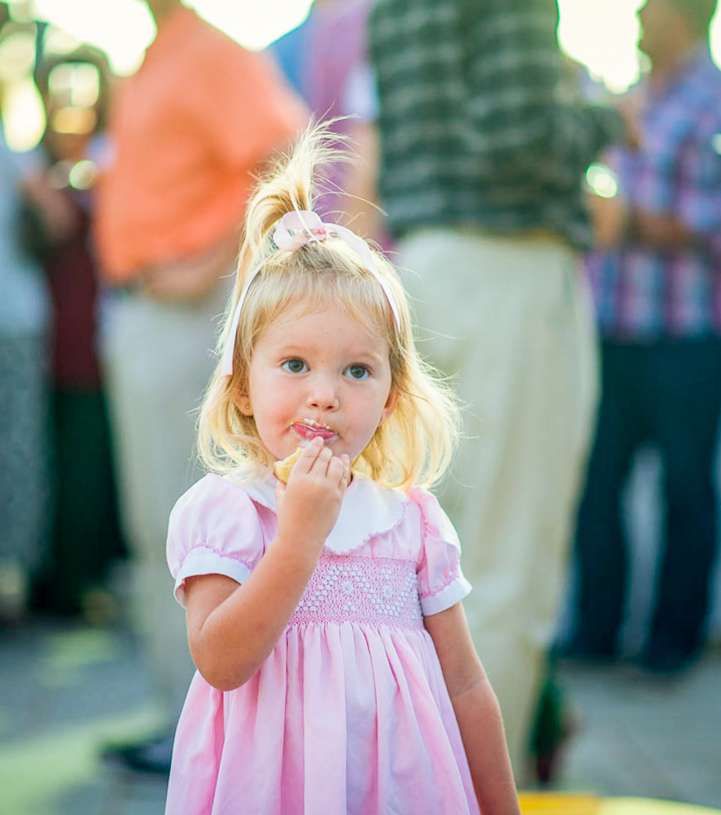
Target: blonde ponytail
{"type": "Point", "coordinates": [290, 183]}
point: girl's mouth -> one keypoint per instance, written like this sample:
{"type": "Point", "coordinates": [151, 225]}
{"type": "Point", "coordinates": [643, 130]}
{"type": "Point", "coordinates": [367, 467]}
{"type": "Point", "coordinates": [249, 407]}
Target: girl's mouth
{"type": "Point", "coordinates": [309, 429]}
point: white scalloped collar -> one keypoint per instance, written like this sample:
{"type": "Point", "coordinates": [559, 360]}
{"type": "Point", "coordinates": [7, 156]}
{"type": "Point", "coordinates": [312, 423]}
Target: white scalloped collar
{"type": "Point", "coordinates": [368, 509]}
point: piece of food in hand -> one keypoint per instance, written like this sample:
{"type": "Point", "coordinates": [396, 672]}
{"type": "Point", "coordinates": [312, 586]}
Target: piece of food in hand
{"type": "Point", "coordinates": [282, 468]}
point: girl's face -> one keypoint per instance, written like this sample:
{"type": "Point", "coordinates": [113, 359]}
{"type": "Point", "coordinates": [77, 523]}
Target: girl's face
{"type": "Point", "coordinates": [318, 374]}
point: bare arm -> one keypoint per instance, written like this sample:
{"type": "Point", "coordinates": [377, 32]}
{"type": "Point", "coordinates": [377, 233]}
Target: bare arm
{"type": "Point", "coordinates": [663, 231]}
{"type": "Point", "coordinates": [232, 628]}
{"type": "Point", "coordinates": [616, 224]}
{"type": "Point", "coordinates": [60, 219]}
{"type": "Point", "coordinates": [190, 278]}
{"type": "Point", "coordinates": [193, 277]}
{"type": "Point", "coordinates": [678, 228]}
{"type": "Point", "coordinates": [477, 712]}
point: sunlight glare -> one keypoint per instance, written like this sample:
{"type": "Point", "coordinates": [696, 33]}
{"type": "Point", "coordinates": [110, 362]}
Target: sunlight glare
{"type": "Point", "coordinates": [602, 34]}
{"type": "Point", "coordinates": [124, 28]}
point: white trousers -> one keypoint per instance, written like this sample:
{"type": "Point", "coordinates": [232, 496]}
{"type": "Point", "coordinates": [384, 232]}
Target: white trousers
{"type": "Point", "coordinates": [510, 321]}
{"type": "Point", "coordinates": [158, 360]}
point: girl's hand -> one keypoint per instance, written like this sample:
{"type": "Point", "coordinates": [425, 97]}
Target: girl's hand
{"type": "Point", "coordinates": [308, 506]}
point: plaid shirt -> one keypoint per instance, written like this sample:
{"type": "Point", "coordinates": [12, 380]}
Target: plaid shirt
{"type": "Point", "coordinates": [642, 293]}
{"type": "Point", "coordinates": [474, 129]}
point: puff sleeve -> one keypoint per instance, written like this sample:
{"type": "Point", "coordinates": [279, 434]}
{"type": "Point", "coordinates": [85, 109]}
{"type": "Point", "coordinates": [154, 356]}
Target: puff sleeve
{"type": "Point", "coordinates": [441, 583]}
{"type": "Point", "coordinates": [213, 529]}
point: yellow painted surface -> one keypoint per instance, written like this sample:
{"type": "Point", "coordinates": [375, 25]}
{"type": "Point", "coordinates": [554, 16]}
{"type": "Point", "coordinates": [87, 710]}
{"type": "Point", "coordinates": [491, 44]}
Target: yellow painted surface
{"type": "Point", "coordinates": [572, 804]}
{"type": "Point", "coordinates": [645, 806]}
{"type": "Point", "coordinates": [559, 804]}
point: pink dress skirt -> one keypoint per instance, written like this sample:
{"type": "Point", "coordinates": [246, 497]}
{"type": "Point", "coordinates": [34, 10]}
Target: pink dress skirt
{"type": "Point", "coordinates": [349, 715]}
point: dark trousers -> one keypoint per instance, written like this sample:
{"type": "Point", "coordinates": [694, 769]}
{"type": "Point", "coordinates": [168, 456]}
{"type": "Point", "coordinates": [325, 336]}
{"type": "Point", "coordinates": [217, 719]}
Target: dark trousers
{"type": "Point", "coordinates": [666, 394]}
{"type": "Point", "coordinates": [86, 535]}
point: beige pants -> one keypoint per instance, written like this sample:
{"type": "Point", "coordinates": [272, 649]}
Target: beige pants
{"type": "Point", "coordinates": [158, 361]}
{"type": "Point", "coordinates": [510, 321]}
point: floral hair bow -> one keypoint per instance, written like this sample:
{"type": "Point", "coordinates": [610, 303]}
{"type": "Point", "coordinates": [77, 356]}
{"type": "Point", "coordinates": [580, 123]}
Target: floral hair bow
{"type": "Point", "coordinates": [293, 231]}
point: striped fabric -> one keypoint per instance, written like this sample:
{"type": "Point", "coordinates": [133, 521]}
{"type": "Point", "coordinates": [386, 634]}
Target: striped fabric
{"type": "Point", "coordinates": [474, 127]}
{"type": "Point", "coordinates": [641, 293]}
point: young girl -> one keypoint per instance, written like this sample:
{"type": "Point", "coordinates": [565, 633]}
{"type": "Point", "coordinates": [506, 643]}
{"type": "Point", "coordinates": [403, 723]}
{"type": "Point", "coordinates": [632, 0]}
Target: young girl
{"type": "Point", "coordinates": [335, 670]}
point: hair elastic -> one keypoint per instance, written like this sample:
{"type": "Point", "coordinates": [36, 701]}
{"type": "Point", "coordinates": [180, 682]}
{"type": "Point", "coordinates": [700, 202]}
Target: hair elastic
{"type": "Point", "coordinates": [293, 230]}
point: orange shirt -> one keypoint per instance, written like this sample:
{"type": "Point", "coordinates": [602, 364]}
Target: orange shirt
{"type": "Point", "coordinates": [186, 133]}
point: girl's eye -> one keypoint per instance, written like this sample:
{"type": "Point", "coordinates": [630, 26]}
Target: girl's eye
{"type": "Point", "coordinates": [357, 372]}
{"type": "Point", "coordinates": [294, 366]}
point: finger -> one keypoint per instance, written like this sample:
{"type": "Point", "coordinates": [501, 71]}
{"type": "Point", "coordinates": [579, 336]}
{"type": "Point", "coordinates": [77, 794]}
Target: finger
{"type": "Point", "coordinates": [336, 471]}
{"type": "Point", "coordinates": [309, 455]}
{"type": "Point", "coordinates": [346, 469]}
{"type": "Point", "coordinates": [320, 466]}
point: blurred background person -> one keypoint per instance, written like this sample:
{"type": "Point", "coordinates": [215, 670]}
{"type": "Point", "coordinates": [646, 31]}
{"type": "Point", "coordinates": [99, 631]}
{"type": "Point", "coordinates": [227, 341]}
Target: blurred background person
{"type": "Point", "coordinates": [292, 50]}
{"type": "Point", "coordinates": [186, 133]}
{"type": "Point", "coordinates": [24, 313]}
{"type": "Point", "coordinates": [85, 538]}
{"type": "Point", "coordinates": [482, 162]}
{"type": "Point", "coordinates": [326, 60]}
{"type": "Point", "coordinates": [658, 297]}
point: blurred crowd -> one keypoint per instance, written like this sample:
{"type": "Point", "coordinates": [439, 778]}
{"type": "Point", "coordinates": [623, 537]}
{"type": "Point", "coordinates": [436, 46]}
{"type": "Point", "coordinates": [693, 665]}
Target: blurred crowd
{"type": "Point", "coordinates": [562, 249]}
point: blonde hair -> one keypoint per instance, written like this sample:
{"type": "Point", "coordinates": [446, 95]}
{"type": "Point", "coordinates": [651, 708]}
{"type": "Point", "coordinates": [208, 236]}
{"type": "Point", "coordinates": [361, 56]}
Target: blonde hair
{"type": "Point", "coordinates": [414, 445]}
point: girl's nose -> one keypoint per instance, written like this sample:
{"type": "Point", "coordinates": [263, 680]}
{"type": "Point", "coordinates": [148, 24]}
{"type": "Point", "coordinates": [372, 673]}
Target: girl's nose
{"type": "Point", "coordinates": [323, 395]}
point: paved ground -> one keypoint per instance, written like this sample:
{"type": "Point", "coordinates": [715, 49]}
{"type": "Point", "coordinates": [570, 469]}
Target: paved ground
{"type": "Point", "coordinates": [649, 738]}
{"type": "Point", "coordinates": [65, 688]}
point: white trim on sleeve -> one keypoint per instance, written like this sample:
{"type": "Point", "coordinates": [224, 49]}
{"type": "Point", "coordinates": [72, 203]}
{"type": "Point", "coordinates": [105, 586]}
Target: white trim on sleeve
{"type": "Point", "coordinates": [453, 593]}
{"type": "Point", "coordinates": [207, 561]}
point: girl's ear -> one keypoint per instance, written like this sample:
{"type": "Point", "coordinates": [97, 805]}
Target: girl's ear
{"type": "Point", "coordinates": [242, 402]}
{"type": "Point", "coordinates": [390, 404]}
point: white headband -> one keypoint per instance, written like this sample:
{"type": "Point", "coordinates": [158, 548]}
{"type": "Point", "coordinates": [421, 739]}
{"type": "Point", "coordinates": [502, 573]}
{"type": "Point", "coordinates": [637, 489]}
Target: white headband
{"type": "Point", "coordinates": [293, 230]}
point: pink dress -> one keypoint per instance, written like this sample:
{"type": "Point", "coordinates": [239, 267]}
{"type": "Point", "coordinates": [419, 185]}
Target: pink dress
{"type": "Point", "coordinates": [349, 715]}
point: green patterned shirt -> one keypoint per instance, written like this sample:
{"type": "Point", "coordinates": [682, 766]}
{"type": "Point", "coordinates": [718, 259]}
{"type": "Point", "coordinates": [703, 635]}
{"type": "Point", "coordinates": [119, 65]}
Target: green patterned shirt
{"type": "Point", "coordinates": [475, 128]}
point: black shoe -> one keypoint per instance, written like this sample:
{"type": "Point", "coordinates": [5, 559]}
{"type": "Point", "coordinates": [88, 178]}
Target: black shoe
{"type": "Point", "coordinates": [548, 763]}
{"type": "Point", "coordinates": [150, 756]}
{"type": "Point", "coordinates": [666, 664]}
{"type": "Point", "coordinates": [580, 651]}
